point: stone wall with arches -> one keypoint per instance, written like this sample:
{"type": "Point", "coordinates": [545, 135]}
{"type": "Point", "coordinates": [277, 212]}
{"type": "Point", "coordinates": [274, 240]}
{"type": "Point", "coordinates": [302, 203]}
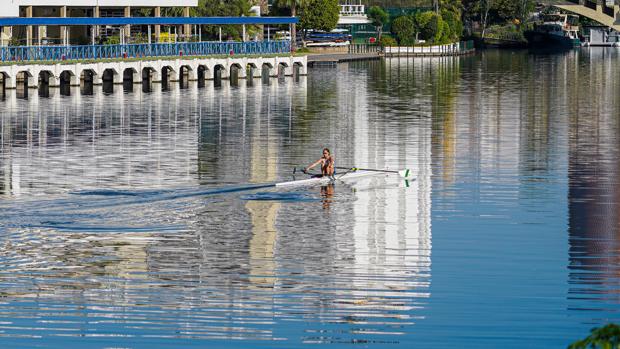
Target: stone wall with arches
{"type": "Point", "coordinates": [117, 72]}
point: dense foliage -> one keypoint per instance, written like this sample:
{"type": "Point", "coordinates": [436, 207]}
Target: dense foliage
{"type": "Point", "coordinates": [600, 338]}
{"type": "Point", "coordinates": [403, 28]}
{"type": "Point", "coordinates": [437, 27]}
{"type": "Point", "coordinates": [215, 8]}
{"type": "Point", "coordinates": [447, 21]}
{"type": "Point", "coordinates": [379, 18]}
{"type": "Point", "coordinates": [293, 5]}
{"type": "Point", "coordinates": [319, 15]}
{"type": "Point", "coordinates": [497, 12]}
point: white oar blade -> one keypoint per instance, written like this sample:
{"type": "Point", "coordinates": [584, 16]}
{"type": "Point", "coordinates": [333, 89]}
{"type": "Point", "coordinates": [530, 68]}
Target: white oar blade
{"type": "Point", "coordinates": [406, 173]}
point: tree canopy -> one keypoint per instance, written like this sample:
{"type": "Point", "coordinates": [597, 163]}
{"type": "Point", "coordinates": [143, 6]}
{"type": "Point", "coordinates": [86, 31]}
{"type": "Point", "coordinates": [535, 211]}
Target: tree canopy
{"type": "Point", "coordinates": [378, 16]}
{"type": "Point", "coordinates": [319, 15]}
{"type": "Point", "coordinates": [403, 28]}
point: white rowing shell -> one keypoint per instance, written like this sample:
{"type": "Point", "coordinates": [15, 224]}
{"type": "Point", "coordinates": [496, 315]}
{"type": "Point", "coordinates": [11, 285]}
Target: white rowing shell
{"type": "Point", "coordinates": [327, 180]}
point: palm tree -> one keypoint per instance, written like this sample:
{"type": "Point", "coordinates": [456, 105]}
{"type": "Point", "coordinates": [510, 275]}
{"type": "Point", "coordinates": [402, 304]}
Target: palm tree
{"type": "Point", "coordinates": [293, 4]}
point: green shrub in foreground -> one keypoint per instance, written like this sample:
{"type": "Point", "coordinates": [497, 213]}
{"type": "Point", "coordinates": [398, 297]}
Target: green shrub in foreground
{"type": "Point", "coordinates": [606, 337]}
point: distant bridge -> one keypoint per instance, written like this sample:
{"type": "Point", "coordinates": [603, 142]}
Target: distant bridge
{"type": "Point", "coordinates": [602, 11]}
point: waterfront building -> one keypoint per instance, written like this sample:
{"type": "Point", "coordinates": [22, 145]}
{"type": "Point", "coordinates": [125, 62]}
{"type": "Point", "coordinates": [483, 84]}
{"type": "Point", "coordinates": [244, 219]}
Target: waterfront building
{"type": "Point", "coordinates": [354, 20]}
{"type": "Point", "coordinates": [48, 35]}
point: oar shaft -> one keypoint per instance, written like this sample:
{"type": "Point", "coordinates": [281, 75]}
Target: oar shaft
{"type": "Point", "coordinates": [365, 169]}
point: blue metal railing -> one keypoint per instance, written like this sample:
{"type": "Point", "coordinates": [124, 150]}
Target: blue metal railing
{"type": "Point", "coordinates": [95, 52]}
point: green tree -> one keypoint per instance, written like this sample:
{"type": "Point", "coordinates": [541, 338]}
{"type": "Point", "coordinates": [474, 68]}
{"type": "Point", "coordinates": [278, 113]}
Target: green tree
{"type": "Point", "coordinates": [293, 5]}
{"type": "Point", "coordinates": [454, 25]}
{"type": "Point", "coordinates": [455, 6]}
{"type": "Point", "coordinates": [430, 26]}
{"type": "Point", "coordinates": [606, 337]}
{"type": "Point", "coordinates": [378, 17]}
{"type": "Point", "coordinates": [403, 28]}
{"type": "Point", "coordinates": [219, 8]}
{"type": "Point", "coordinates": [319, 15]}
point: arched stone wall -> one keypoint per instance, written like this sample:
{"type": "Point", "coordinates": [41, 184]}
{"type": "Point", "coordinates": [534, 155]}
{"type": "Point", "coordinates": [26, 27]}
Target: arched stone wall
{"type": "Point", "coordinates": [254, 65]}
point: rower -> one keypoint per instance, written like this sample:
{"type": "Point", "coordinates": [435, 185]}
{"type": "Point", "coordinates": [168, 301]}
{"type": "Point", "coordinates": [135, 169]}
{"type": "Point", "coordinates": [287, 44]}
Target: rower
{"type": "Point", "coordinates": [327, 163]}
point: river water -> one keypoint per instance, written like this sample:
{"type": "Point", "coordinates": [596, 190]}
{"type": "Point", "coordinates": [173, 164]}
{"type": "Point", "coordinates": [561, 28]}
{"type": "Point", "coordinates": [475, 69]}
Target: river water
{"type": "Point", "coordinates": [137, 219]}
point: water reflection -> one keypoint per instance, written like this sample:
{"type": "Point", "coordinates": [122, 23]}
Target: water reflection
{"type": "Point", "coordinates": [141, 213]}
{"type": "Point", "coordinates": [593, 190]}
{"type": "Point", "coordinates": [128, 213]}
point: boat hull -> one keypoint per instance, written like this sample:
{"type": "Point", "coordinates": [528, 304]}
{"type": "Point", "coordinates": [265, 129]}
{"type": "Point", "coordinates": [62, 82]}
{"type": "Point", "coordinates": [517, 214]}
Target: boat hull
{"type": "Point", "coordinates": [327, 180]}
{"type": "Point", "coordinates": [544, 40]}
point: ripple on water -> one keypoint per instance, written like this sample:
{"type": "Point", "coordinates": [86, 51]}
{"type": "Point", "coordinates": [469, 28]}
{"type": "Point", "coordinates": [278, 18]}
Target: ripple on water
{"type": "Point", "coordinates": [140, 219]}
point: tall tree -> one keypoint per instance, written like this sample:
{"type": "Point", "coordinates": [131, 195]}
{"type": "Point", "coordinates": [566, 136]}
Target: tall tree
{"type": "Point", "coordinates": [403, 28]}
{"type": "Point", "coordinates": [378, 17]}
{"type": "Point", "coordinates": [293, 5]}
{"type": "Point", "coordinates": [485, 6]}
{"type": "Point", "coordinates": [319, 15]}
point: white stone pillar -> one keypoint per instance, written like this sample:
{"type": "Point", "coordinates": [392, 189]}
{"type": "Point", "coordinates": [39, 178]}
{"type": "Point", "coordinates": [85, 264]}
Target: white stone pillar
{"type": "Point", "coordinates": [187, 28]}
{"type": "Point", "coordinates": [96, 14]}
{"type": "Point", "coordinates": [63, 29]}
{"type": "Point", "coordinates": [29, 30]}
{"type": "Point", "coordinates": [157, 26]}
{"type": "Point", "coordinates": [127, 15]}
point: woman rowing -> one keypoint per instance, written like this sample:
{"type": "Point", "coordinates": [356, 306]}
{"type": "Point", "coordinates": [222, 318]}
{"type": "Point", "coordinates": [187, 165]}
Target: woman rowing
{"type": "Point", "coordinates": [327, 163]}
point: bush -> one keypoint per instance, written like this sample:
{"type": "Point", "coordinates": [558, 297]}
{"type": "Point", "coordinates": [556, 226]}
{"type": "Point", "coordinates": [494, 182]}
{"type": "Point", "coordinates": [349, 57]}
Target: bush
{"type": "Point", "coordinates": [603, 337]}
{"type": "Point", "coordinates": [112, 40]}
{"type": "Point", "coordinates": [387, 41]}
{"type": "Point", "coordinates": [430, 26]}
{"type": "Point", "coordinates": [505, 32]}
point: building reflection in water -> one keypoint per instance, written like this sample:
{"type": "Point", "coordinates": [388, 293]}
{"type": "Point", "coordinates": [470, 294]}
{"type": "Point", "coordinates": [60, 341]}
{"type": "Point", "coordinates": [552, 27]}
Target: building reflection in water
{"type": "Point", "coordinates": [128, 220]}
{"type": "Point", "coordinates": [594, 186]}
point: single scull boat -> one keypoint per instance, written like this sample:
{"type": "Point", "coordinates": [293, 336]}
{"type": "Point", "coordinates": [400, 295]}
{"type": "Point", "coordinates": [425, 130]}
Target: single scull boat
{"type": "Point", "coordinates": [352, 173]}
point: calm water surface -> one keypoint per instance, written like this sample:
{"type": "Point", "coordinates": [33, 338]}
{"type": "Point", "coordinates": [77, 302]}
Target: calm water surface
{"type": "Point", "coordinates": [132, 219]}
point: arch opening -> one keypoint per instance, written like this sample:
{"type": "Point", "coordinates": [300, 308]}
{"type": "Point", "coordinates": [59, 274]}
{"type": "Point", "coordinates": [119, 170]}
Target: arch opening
{"type": "Point", "coordinates": [266, 72]}
{"type": "Point", "coordinates": [282, 70]}
{"type": "Point", "coordinates": [235, 73]}
{"type": "Point", "coordinates": [218, 74]}
{"type": "Point", "coordinates": [202, 74]}
{"type": "Point", "coordinates": [298, 70]}
{"type": "Point", "coordinates": [47, 78]}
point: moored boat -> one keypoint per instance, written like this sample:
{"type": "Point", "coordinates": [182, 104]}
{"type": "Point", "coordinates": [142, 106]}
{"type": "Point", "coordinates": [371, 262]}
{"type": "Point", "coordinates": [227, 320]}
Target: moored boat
{"type": "Point", "coordinates": [556, 30]}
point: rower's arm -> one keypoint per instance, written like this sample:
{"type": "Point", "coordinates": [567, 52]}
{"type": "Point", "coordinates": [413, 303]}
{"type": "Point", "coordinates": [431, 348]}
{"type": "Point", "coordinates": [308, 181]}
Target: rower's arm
{"type": "Point", "coordinates": [313, 165]}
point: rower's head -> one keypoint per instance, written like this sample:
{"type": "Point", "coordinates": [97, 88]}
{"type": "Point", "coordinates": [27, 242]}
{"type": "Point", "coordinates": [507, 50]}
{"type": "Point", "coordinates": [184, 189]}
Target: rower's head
{"type": "Point", "coordinates": [326, 152]}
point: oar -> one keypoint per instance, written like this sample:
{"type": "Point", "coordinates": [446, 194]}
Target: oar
{"type": "Point", "coordinates": [406, 173]}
